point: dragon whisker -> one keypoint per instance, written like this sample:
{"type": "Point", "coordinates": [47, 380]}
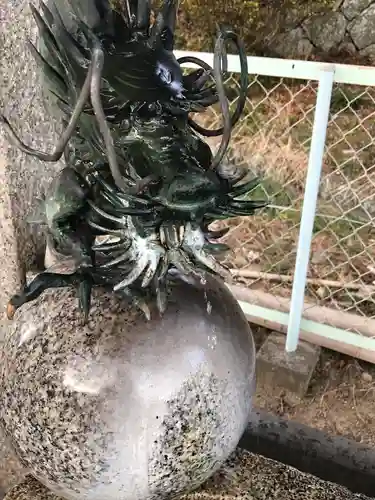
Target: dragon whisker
{"type": "Point", "coordinates": [105, 230]}
{"type": "Point", "coordinates": [215, 235]}
{"type": "Point", "coordinates": [105, 215]}
{"type": "Point", "coordinates": [95, 87]}
{"type": "Point", "coordinates": [115, 202]}
{"type": "Point", "coordinates": [220, 67]}
{"type": "Point", "coordinates": [245, 205]}
{"type": "Point", "coordinates": [197, 61]}
{"type": "Point", "coordinates": [111, 247]}
{"type": "Point", "coordinates": [216, 248]}
{"type": "Point", "coordinates": [207, 101]}
{"type": "Point", "coordinates": [224, 104]}
{"type": "Point", "coordinates": [203, 79]}
{"type": "Point", "coordinates": [124, 197]}
{"type": "Point", "coordinates": [137, 211]}
{"type": "Point", "coordinates": [205, 92]}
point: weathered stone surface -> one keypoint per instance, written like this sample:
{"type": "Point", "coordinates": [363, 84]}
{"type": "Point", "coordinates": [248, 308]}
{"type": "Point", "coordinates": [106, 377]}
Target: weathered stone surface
{"type": "Point", "coordinates": [293, 44]}
{"type": "Point", "coordinates": [326, 31]}
{"type": "Point", "coordinates": [346, 29]}
{"type": "Point", "coordinates": [362, 28]}
{"type": "Point", "coordinates": [141, 409]}
{"type": "Point", "coordinates": [244, 476]}
{"type": "Point", "coordinates": [370, 53]}
{"type": "Point", "coordinates": [347, 46]}
{"type": "Point", "coordinates": [279, 372]}
{"type": "Point", "coordinates": [353, 8]}
{"type": "Point", "coordinates": [293, 18]}
{"type": "Point", "coordinates": [22, 177]}
{"type": "Point", "coordinates": [11, 471]}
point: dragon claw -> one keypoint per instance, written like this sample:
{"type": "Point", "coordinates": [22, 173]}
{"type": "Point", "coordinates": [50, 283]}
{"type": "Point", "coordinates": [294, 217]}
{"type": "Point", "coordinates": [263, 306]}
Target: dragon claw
{"type": "Point", "coordinates": [137, 300]}
{"type": "Point", "coordinates": [84, 298]}
{"type": "Point", "coordinates": [143, 306]}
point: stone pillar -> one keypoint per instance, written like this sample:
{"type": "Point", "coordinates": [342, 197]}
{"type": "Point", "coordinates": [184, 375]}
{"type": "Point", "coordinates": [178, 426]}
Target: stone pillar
{"type": "Point", "coordinates": [21, 177]}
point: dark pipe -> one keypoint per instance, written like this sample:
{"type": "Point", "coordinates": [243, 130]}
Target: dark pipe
{"type": "Point", "coordinates": [333, 459]}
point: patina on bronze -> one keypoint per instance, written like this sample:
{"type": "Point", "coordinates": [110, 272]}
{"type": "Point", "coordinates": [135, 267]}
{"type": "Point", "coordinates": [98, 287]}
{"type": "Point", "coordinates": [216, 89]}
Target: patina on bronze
{"type": "Point", "coordinates": [137, 169]}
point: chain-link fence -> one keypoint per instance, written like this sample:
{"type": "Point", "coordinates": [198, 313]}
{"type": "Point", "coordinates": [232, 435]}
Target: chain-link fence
{"type": "Point", "coordinates": [274, 138]}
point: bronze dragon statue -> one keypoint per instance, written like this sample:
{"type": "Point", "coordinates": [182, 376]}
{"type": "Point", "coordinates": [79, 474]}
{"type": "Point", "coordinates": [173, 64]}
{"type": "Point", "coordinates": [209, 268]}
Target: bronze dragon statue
{"type": "Point", "coordinates": [138, 170]}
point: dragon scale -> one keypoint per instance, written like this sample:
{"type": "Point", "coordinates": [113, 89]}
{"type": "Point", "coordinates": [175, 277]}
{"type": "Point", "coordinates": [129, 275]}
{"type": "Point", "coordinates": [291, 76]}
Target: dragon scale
{"type": "Point", "coordinates": [138, 171]}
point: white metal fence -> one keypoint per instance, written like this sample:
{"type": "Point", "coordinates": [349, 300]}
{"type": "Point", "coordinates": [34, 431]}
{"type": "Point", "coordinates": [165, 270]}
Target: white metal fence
{"type": "Point", "coordinates": [308, 132]}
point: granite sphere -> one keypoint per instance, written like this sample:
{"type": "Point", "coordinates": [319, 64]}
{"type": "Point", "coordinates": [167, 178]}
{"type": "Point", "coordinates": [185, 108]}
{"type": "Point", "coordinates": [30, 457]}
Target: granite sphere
{"type": "Point", "coordinates": [124, 408]}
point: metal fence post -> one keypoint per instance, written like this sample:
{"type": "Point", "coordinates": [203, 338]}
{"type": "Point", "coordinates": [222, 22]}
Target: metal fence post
{"type": "Point", "coordinates": [323, 103]}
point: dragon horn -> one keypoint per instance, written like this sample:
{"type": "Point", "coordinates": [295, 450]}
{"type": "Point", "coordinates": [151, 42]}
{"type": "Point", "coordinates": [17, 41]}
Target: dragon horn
{"type": "Point", "coordinates": [170, 10]}
{"type": "Point", "coordinates": [143, 12]}
{"type": "Point", "coordinates": [166, 18]}
{"type": "Point", "coordinates": [106, 16]}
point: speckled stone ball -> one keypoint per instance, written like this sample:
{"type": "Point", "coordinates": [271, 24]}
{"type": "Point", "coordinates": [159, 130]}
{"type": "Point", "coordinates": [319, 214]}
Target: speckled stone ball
{"type": "Point", "coordinates": [124, 408]}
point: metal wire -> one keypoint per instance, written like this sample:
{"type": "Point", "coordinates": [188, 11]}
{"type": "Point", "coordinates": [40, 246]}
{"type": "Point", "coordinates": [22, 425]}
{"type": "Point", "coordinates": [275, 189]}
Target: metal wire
{"type": "Point", "coordinates": [273, 138]}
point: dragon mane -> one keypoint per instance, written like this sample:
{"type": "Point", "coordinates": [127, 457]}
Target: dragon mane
{"type": "Point", "coordinates": [128, 63]}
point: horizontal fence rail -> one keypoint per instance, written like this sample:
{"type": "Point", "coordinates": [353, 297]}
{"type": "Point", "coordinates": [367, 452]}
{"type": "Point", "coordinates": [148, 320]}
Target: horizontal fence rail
{"type": "Point", "coordinates": [306, 264]}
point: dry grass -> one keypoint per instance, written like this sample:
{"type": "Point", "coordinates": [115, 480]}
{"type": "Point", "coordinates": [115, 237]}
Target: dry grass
{"type": "Point", "coordinates": [274, 138]}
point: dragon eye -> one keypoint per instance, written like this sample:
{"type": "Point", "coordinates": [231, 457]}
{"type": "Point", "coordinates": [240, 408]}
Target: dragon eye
{"type": "Point", "coordinates": [165, 75]}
